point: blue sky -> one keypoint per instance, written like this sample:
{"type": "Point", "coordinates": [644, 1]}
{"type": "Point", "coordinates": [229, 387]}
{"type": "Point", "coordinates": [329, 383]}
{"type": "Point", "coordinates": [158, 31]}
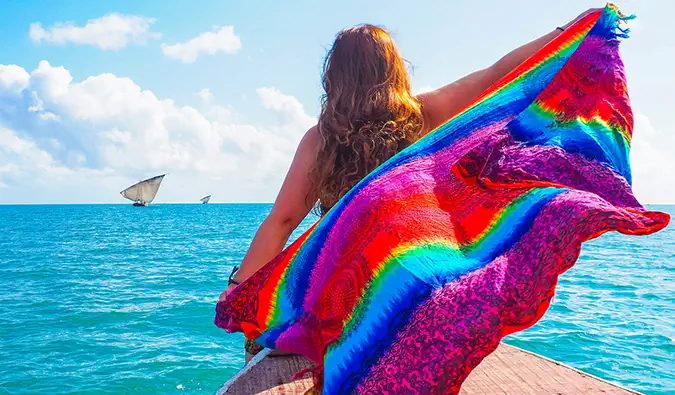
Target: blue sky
{"type": "Point", "coordinates": [96, 95]}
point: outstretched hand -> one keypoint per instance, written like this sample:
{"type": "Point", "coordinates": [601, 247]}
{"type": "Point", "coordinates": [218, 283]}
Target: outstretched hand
{"type": "Point", "coordinates": [226, 292]}
{"type": "Point", "coordinates": [583, 14]}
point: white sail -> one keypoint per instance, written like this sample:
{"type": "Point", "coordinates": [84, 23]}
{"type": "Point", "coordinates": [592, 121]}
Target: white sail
{"type": "Point", "coordinates": [143, 191]}
{"type": "Point", "coordinates": [205, 199]}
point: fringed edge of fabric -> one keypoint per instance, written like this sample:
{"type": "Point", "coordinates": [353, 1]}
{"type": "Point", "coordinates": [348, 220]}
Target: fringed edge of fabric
{"type": "Point", "coordinates": [612, 26]}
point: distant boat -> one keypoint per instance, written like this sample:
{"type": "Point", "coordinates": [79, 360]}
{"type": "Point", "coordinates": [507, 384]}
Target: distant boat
{"type": "Point", "coordinates": [205, 199]}
{"type": "Point", "coordinates": [143, 192]}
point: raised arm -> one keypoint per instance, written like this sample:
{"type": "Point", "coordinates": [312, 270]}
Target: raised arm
{"type": "Point", "coordinates": [439, 105]}
{"type": "Point", "coordinates": [291, 206]}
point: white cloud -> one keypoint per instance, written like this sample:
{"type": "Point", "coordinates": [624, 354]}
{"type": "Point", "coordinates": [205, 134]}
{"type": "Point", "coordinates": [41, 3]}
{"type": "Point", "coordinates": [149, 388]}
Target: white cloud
{"type": "Point", "coordinates": [13, 77]}
{"type": "Point", "coordinates": [205, 95]}
{"type": "Point", "coordinates": [11, 144]}
{"type": "Point", "coordinates": [212, 110]}
{"type": "Point", "coordinates": [653, 162]}
{"type": "Point", "coordinates": [66, 141]}
{"type": "Point", "coordinates": [423, 89]}
{"type": "Point", "coordinates": [29, 174]}
{"type": "Point", "coordinates": [98, 135]}
{"type": "Point", "coordinates": [221, 39]}
{"type": "Point", "coordinates": [288, 109]}
{"type": "Point", "coordinates": [110, 32]}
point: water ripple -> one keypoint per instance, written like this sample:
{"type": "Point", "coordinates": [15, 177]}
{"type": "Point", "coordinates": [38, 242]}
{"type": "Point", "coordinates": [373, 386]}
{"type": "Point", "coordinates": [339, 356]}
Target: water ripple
{"type": "Point", "coordinates": [115, 299]}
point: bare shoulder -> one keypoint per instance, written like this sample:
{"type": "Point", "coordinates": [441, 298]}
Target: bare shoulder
{"type": "Point", "coordinates": [309, 145]}
{"type": "Point", "coordinates": [429, 102]}
{"type": "Point", "coordinates": [441, 104]}
{"type": "Point", "coordinates": [312, 137]}
{"type": "Point", "coordinates": [434, 107]}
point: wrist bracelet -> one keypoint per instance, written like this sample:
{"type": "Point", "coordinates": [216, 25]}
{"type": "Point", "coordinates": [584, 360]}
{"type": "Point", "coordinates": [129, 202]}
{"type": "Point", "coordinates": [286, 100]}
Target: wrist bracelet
{"type": "Point", "coordinates": [231, 279]}
{"type": "Point", "coordinates": [560, 28]}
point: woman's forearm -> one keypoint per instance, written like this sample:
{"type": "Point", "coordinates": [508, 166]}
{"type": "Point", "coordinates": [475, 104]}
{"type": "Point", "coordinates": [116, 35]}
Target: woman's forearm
{"type": "Point", "coordinates": [514, 58]}
{"type": "Point", "coordinates": [268, 242]}
{"type": "Point", "coordinates": [294, 201]}
{"type": "Point", "coordinates": [441, 104]}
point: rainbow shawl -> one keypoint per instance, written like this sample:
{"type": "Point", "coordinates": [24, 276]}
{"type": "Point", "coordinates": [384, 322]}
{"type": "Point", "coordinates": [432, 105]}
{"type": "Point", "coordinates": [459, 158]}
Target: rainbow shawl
{"type": "Point", "coordinates": [457, 241]}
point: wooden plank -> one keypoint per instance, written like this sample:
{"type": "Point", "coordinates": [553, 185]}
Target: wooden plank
{"type": "Point", "coordinates": [509, 370]}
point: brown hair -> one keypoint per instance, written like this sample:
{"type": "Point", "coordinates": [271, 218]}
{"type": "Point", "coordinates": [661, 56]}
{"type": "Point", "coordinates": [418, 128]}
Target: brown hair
{"type": "Point", "coordinates": [368, 112]}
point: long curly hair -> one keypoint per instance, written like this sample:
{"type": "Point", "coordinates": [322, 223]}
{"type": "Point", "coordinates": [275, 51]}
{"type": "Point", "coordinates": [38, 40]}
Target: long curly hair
{"type": "Point", "coordinates": [368, 112]}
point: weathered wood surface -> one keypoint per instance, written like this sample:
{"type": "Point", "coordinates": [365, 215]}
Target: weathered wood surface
{"type": "Point", "coordinates": [507, 371]}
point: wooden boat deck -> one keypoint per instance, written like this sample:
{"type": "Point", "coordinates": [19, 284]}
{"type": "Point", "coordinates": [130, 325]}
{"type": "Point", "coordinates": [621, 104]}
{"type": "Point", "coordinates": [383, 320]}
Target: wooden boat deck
{"type": "Point", "coordinates": [509, 370]}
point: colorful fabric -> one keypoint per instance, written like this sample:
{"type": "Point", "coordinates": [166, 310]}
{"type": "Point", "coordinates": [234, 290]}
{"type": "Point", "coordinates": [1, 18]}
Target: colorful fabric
{"type": "Point", "coordinates": [252, 347]}
{"type": "Point", "coordinates": [457, 241]}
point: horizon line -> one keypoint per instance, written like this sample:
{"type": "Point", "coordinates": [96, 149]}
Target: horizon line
{"type": "Point", "coordinates": [195, 203]}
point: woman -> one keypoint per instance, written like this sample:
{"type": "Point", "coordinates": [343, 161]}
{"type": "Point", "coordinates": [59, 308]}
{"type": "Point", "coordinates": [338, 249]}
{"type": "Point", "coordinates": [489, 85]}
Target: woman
{"type": "Point", "coordinates": [368, 114]}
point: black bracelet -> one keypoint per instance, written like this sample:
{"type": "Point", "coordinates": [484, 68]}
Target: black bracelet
{"type": "Point", "coordinates": [231, 279]}
{"type": "Point", "coordinates": [560, 28]}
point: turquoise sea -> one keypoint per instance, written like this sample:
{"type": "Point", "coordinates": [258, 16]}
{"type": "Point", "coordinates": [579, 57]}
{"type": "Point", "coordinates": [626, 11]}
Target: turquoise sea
{"type": "Point", "coordinates": [115, 299]}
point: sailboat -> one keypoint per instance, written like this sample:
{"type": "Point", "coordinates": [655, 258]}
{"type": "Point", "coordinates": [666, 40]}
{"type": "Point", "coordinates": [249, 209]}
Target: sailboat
{"type": "Point", "coordinates": [143, 192]}
{"type": "Point", "coordinates": [205, 199]}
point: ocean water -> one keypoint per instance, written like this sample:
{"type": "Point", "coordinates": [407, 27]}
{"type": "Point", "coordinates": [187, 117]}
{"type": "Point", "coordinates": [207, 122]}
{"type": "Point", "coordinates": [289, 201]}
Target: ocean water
{"type": "Point", "coordinates": [116, 299]}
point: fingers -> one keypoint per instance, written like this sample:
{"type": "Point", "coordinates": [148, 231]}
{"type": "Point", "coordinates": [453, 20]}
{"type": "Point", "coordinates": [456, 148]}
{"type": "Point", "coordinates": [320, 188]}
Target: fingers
{"type": "Point", "coordinates": [223, 295]}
